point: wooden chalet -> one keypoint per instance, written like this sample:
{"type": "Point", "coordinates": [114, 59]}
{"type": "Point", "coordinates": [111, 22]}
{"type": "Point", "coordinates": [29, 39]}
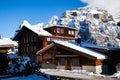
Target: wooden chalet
{"type": "Point", "coordinates": [62, 33]}
{"type": "Point", "coordinates": [66, 55]}
{"type": "Point", "coordinates": [51, 47]}
{"type": "Point", "coordinates": [5, 45]}
{"type": "Point", "coordinates": [32, 38]}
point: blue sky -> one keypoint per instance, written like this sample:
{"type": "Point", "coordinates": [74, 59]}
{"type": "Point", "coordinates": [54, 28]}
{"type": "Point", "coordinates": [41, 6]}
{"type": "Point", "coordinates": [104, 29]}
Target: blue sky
{"type": "Point", "coordinates": [13, 12]}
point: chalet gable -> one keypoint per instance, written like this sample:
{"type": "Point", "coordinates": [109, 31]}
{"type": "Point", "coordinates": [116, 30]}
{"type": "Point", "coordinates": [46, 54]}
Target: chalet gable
{"type": "Point", "coordinates": [35, 29]}
{"type": "Point", "coordinates": [75, 49]}
{"type": "Point", "coordinates": [81, 50]}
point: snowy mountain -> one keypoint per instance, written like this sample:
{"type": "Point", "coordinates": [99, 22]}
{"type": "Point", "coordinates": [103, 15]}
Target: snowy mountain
{"type": "Point", "coordinates": [95, 25]}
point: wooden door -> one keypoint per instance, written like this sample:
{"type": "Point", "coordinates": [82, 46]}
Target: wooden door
{"type": "Point", "coordinates": [68, 64]}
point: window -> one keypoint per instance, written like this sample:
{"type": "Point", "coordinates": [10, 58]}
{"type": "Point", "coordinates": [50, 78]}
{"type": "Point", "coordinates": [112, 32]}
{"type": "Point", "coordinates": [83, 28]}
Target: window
{"type": "Point", "coordinates": [75, 62]}
{"type": "Point", "coordinates": [48, 39]}
{"type": "Point", "coordinates": [62, 61]}
{"type": "Point", "coordinates": [58, 30]}
{"type": "Point", "coordinates": [54, 30]}
{"type": "Point", "coordinates": [70, 32]}
{"type": "Point", "coordinates": [62, 31]}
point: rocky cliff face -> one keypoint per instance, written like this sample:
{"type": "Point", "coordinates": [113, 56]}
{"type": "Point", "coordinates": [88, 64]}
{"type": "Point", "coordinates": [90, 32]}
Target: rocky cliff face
{"type": "Point", "coordinates": [95, 25]}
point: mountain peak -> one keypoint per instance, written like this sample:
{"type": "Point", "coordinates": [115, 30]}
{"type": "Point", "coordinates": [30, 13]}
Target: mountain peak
{"type": "Point", "coordinates": [95, 25]}
{"type": "Point", "coordinates": [54, 20]}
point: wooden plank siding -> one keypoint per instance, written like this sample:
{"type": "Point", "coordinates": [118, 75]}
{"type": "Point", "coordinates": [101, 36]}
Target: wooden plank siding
{"type": "Point", "coordinates": [62, 31]}
{"type": "Point", "coordinates": [67, 58]}
{"type": "Point", "coordinates": [44, 42]}
{"type": "Point", "coordinates": [29, 43]}
{"type": "Point", "coordinates": [61, 57]}
{"type": "Point", "coordinates": [98, 62]}
{"type": "Point", "coordinates": [3, 51]}
{"type": "Point", "coordinates": [76, 52]}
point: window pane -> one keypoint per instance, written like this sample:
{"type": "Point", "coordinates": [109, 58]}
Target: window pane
{"type": "Point", "coordinates": [62, 61]}
{"type": "Point", "coordinates": [75, 62]}
{"type": "Point", "coordinates": [69, 32]}
{"type": "Point", "coordinates": [72, 32]}
{"type": "Point", "coordinates": [58, 30]}
{"type": "Point", "coordinates": [62, 31]}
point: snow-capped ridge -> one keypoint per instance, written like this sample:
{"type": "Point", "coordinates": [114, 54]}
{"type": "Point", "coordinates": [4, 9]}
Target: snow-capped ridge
{"type": "Point", "coordinates": [95, 25]}
{"type": "Point", "coordinates": [54, 20]}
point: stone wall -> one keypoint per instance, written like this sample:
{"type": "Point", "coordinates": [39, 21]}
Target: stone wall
{"type": "Point", "coordinates": [98, 69]}
{"type": "Point", "coordinates": [89, 68]}
{"type": "Point", "coordinates": [60, 67]}
{"type": "Point", "coordinates": [77, 67]}
{"type": "Point", "coordinates": [50, 66]}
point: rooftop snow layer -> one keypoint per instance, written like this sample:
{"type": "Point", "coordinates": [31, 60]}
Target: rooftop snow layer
{"type": "Point", "coordinates": [36, 28]}
{"type": "Point", "coordinates": [7, 41]}
{"type": "Point", "coordinates": [95, 54]}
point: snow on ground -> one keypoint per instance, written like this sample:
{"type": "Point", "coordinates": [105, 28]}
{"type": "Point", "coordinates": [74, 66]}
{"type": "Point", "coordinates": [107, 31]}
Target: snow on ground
{"type": "Point", "coordinates": [70, 74]}
{"type": "Point", "coordinates": [30, 77]}
{"type": "Point", "coordinates": [80, 74]}
{"type": "Point", "coordinates": [23, 69]}
{"type": "Point", "coordinates": [12, 55]}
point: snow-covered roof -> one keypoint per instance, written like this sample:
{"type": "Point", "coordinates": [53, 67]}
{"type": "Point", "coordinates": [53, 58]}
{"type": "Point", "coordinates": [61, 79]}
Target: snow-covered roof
{"type": "Point", "coordinates": [7, 41]}
{"type": "Point", "coordinates": [29, 77]}
{"type": "Point", "coordinates": [86, 51]}
{"type": "Point", "coordinates": [35, 28]}
{"type": "Point", "coordinates": [61, 27]}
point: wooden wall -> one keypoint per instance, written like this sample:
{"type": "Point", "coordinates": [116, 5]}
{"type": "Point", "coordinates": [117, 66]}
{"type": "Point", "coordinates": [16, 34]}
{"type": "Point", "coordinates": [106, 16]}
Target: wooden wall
{"type": "Point", "coordinates": [29, 43]}
{"type": "Point", "coordinates": [62, 31]}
